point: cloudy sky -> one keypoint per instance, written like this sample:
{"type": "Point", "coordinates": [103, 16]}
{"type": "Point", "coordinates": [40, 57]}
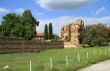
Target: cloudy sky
{"type": "Point", "coordinates": [60, 12]}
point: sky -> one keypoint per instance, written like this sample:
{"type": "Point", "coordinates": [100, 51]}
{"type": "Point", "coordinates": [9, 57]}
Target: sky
{"type": "Point", "coordinates": [60, 12]}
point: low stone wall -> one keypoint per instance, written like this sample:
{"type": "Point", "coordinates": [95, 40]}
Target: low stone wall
{"type": "Point", "coordinates": [69, 45]}
{"type": "Point", "coordinates": [26, 48]}
{"type": "Point", "coordinates": [8, 45]}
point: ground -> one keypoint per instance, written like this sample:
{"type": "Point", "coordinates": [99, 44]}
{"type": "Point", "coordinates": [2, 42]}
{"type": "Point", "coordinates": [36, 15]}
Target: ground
{"type": "Point", "coordinates": [41, 61]}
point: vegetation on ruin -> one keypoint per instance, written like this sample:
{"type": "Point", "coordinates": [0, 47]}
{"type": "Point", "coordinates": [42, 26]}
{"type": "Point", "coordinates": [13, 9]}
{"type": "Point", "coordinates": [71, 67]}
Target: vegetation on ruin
{"type": "Point", "coordinates": [41, 62]}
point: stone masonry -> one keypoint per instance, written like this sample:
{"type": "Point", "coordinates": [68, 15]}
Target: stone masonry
{"type": "Point", "coordinates": [70, 34]}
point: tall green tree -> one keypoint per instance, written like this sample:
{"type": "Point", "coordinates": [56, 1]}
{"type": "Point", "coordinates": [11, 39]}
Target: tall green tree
{"type": "Point", "coordinates": [46, 32]}
{"type": "Point", "coordinates": [9, 23]}
{"type": "Point", "coordinates": [50, 31]}
{"type": "Point", "coordinates": [19, 25]}
{"type": "Point", "coordinates": [30, 24]}
{"type": "Point", "coordinates": [1, 30]}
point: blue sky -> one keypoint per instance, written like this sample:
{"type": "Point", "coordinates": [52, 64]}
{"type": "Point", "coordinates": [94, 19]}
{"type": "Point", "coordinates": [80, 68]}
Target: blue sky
{"type": "Point", "coordinates": [60, 12]}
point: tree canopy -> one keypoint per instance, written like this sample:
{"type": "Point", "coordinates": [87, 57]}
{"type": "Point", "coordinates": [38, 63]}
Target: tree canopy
{"type": "Point", "coordinates": [98, 34]}
{"type": "Point", "coordinates": [14, 25]}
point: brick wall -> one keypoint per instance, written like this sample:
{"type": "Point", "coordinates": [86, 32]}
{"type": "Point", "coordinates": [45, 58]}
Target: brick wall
{"type": "Point", "coordinates": [8, 45]}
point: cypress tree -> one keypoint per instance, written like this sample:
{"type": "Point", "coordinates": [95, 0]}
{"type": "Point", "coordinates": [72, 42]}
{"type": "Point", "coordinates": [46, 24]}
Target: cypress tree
{"type": "Point", "coordinates": [46, 32]}
{"type": "Point", "coordinates": [50, 31]}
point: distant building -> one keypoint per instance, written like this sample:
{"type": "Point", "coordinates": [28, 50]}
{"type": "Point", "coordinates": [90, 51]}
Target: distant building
{"type": "Point", "coordinates": [39, 36]}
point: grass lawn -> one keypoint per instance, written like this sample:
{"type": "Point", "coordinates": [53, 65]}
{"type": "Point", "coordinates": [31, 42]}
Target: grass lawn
{"type": "Point", "coordinates": [41, 62]}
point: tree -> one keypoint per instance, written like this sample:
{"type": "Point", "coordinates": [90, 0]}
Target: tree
{"type": "Point", "coordinates": [19, 25]}
{"type": "Point", "coordinates": [9, 23]}
{"type": "Point", "coordinates": [50, 31]}
{"type": "Point", "coordinates": [108, 37]}
{"type": "Point", "coordinates": [46, 32]}
{"type": "Point", "coordinates": [56, 37]}
{"type": "Point", "coordinates": [81, 37]}
{"type": "Point", "coordinates": [96, 35]}
{"type": "Point", "coordinates": [30, 24]}
{"type": "Point", "coordinates": [1, 30]}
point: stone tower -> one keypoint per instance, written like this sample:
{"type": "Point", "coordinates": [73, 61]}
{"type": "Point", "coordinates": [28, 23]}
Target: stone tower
{"type": "Point", "coordinates": [70, 33]}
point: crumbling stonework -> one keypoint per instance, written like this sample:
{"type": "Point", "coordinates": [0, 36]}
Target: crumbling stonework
{"type": "Point", "coordinates": [70, 33]}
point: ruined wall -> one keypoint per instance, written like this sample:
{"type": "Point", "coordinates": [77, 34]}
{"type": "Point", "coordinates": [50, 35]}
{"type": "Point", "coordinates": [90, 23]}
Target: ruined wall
{"type": "Point", "coordinates": [65, 33]}
{"type": "Point", "coordinates": [70, 34]}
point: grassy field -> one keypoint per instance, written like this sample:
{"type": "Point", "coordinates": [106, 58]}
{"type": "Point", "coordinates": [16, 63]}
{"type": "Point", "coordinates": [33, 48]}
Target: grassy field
{"type": "Point", "coordinates": [41, 62]}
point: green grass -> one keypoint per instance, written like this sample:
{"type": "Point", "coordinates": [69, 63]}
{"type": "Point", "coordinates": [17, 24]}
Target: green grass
{"type": "Point", "coordinates": [40, 61]}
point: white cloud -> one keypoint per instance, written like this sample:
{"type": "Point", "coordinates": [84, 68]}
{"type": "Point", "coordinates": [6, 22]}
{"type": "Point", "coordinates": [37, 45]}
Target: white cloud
{"type": "Point", "coordinates": [64, 4]}
{"type": "Point", "coordinates": [57, 23]}
{"type": "Point", "coordinates": [3, 10]}
{"type": "Point", "coordinates": [20, 10]}
{"type": "Point", "coordinates": [100, 10]}
{"type": "Point", "coordinates": [91, 20]}
{"type": "Point", "coordinates": [61, 21]}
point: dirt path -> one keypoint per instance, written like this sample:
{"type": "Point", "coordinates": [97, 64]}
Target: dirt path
{"type": "Point", "coordinates": [102, 66]}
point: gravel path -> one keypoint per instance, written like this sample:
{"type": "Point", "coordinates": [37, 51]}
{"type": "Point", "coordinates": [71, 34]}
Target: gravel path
{"type": "Point", "coordinates": [102, 66]}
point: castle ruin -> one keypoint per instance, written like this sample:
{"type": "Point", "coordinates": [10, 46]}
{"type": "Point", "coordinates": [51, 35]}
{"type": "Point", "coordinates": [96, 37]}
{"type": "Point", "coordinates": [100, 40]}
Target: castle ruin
{"type": "Point", "coordinates": [70, 34]}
